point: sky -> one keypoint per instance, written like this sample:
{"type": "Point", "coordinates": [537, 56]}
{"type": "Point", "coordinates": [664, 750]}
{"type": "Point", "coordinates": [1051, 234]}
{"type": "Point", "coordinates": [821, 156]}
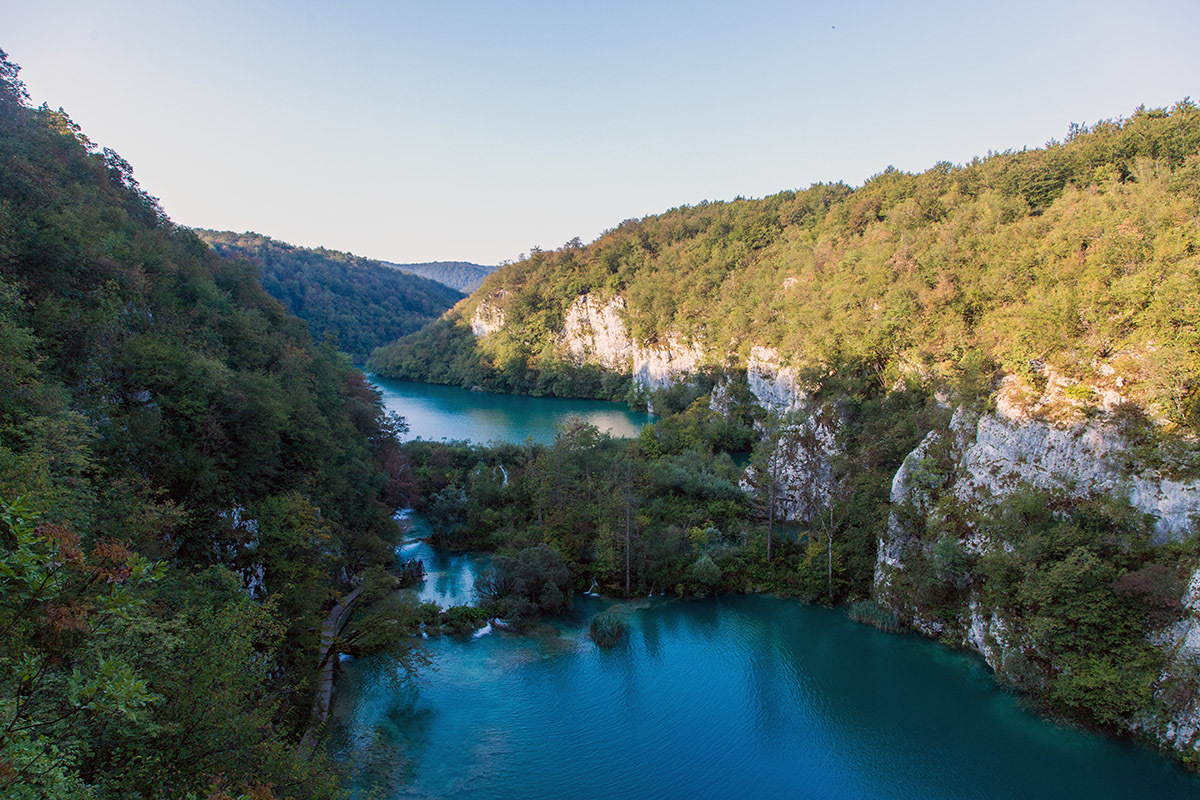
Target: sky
{"type": "Point", "coordinates": [462, 130]}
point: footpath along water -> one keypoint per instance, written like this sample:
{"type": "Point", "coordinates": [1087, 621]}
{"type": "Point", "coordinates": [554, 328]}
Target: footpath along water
{"type": "Point", "coordinates": [731, 697]}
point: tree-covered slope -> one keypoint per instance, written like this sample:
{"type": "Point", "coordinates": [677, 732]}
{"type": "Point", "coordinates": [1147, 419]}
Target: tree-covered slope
{"type": "Point", "coordinates": [364, 303]}
{"type": "Point", "coordinates": [461, 275]}
{"type": "Point", "coordinates": [1082, 255]}
{"type": "Point", "coordinates": [186, 483]}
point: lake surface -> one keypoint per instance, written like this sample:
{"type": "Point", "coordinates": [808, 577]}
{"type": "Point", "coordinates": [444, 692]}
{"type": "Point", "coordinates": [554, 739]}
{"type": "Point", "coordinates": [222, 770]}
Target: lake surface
{"type": "Point", "coordinates": [731, 697]}
{"type": "Point", "coordinates": [449, 412]}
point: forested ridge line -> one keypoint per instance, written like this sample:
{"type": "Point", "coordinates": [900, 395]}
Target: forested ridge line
{"type": "Point", "coordinates": [361, 302]}
{"type": "Point", "coordinates": [187, 483]}
{"type": "Point", "coordinates": [1081, 255]}
{"type": "Point", "coordinates": [461, 275]}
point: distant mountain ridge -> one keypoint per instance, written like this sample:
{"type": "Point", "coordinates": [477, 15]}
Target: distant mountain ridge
{"type": "Point", "coordinates": [364, 302]}
{"type": "Point", "coordinates": [461, 275]}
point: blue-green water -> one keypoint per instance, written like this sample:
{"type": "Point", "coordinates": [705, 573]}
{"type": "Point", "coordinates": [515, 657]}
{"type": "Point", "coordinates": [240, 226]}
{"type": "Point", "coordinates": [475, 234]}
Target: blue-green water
{"type": "Point", "coordinates": [448, 412]}
{"type": "Point", "coordinates": [733, 697]}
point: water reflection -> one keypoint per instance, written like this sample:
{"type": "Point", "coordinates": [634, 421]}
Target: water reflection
{"type": "Point", "coordinates": [448, 412]}
{"type": "Point", "coordinates": [725, 697]}
{"type": "Point", "coordinates": [450, 578]}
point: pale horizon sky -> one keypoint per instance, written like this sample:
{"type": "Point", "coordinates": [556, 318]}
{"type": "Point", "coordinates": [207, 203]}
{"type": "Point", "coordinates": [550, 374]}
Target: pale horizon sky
{"type": "Point", "coordinates": [474, 131]}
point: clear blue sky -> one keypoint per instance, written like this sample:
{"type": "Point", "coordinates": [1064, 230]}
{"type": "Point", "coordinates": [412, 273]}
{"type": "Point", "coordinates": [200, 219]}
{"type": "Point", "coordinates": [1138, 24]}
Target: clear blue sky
{"type": "Point", "coordinates": [448, 129]}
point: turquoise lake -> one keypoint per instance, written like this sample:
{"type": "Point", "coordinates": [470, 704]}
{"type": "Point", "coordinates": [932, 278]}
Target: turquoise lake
{"type": "Point", "coordinates": [729, 697]}
{"type": "Point", "coordinates": [449, 412]}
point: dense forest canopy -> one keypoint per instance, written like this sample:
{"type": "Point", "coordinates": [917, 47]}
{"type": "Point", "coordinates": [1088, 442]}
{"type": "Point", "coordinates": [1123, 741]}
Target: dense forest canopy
{"type": "Point", "coordinates": [362, 303]}
{"type": "Point", "coordinates": [461, 275]}
{"type": "Point", "coordinates": [1083, 255]}
{"type": "Point", "coordinates": [186, 483]}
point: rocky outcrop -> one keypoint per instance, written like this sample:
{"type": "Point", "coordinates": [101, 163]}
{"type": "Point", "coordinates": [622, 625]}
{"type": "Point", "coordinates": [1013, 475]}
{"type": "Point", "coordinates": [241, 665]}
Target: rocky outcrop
{"type": "Point", "coordinates": [775, 386]}
{"type": "Point", "coordinates": [594, 332]}
{"type": "Point", "coordinates": [488, 316]}
{"type": "Point", "coordinates": [1010, 447]}
{"type": "Point", "coordinates": [982, 457]}
{"type": "Point", "coordinates": [1181, 643]}
{"type": "Point", "coordinates": [658, 365]}
{"type": "Point", "coordinates": [801, 463]}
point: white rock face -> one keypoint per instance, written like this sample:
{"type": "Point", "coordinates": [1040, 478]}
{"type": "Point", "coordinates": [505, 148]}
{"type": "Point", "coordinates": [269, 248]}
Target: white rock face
{"type": "Point", "coordinates": [986, 634]}
{"type": "Point", "coordinates": [804, 469]}
{"type": "Point", "coordinates": [659, 365]}
{"type": "Point", "coordinates": [595, 333]}
{"type": "Point", "coordinates": [774, 385]}
{"type": "Point", "coordinates": [488, 318]}
{"type": "Point", "coordinates": [1010, 448]}
{"type": "Point", "coordinates": [1181, 642]}
{"type": "Point", "coordinates": [890, 554]}
{"type": "Point", "coordinates": [998, 452]}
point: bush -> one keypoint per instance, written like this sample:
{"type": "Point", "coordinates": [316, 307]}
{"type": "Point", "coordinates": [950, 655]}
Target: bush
{"type": "Point", "coordinates": [534, 582]}
{"type": "Point", "coordinates": [606, 628]}
{"type": "Point", "coordinates": [461, 620]}
{"type": "Point", "coordinates": [705, 573]}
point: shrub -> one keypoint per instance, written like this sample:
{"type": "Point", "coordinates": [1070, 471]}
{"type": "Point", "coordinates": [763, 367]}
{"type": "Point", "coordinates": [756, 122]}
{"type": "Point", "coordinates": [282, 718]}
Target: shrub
{"type": "Point", "coordinates": [535, 581]}
{"type": "Point", "coordinates": [461, 620]}
{"type": "Point", "coordinates": [606, 628]}
{"type": "Point", "coordinates": [705, 573]}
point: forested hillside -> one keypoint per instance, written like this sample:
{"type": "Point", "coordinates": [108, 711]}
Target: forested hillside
{"type": "Point", "coordinates": [186, 484]}
{"type": "Point", "coordinates": [363, 303]}
{"type": "Point", "coordinates": [461, 275]}
{"type": "Point", "coordinates": [1081, 255]}
{"type": "Point", "coordinates": [973, 396]}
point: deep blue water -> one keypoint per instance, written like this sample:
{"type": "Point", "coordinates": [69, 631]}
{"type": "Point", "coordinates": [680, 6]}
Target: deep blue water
{"type": "Point", "coordinates": [732, 697]}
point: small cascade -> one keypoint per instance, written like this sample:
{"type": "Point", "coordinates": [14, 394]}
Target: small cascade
{"type": "Point", "coordinates": [591, 592]}
{"type": "Point", "coordinates": [484, 631]}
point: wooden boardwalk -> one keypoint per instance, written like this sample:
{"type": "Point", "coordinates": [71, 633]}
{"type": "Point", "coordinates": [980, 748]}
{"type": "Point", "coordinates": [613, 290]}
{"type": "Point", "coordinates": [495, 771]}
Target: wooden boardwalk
{"type": "Point", "coordinates": [334, 623]}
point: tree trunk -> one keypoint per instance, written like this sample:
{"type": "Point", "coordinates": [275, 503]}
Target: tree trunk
{"type": "Point", "coordinates": [628, 522]}
{"type": "Point", "coordinates": [829, 540]}
{"type": "Point", "coordinates": [770, 517]}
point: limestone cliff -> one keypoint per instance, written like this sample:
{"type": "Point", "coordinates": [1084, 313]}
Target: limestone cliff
{"type": "Point", "coordinates": [774, 385]}
{"type": "Point", "coordinates": [801, 462]}
{"type": "Point", "coordinates": [489, 315]}
{"type": "Point", "coordinates": [658, 365]}
{"type": "Point", "coordinates": [977, 461]}
{"type": "Point", "coordinates": [594, 332]}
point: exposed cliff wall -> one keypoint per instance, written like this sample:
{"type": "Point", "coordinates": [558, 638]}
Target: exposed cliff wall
{"type": "Point", "coordinates": [658, 365]}
{"type": "Point", "coordinates": [801, 463]}
{"type": "Point", "coordinates": [950, 523]}
{"type": "Point", "coordinates": [774, 385]}
{"type": "Point", "coordinates": [594, 332]}
{"type": "Point", "coordinates": [1010, 447]}
{"type": "Point", "coordinates": [489, 316]}
{"type": "Point", "coordinates": [1176, 687]}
